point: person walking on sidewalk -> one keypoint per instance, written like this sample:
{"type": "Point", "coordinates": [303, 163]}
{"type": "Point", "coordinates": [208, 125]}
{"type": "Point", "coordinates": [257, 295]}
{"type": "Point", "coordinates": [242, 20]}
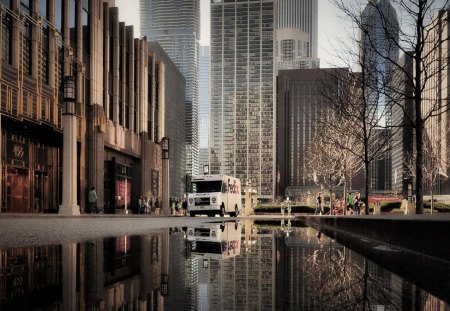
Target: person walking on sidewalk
{"type": "Point", "coordinates": [92, 198]}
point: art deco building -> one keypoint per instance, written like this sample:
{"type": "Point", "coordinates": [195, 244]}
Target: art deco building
{"type": "Point", "coordinates": [297, 34]}
{"type": "Point", "coordinates": [175, 25]}
{"type": "Point", "coordinates": [242, 92]}
{"type": "Point", "coordinates": [120, 105]}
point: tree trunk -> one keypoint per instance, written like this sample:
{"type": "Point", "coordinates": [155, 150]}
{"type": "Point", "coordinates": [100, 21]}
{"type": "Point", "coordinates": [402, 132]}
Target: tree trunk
{"type": "Point", "coordinates": [366, 187]}
{"type": "Point", "coordinates": [418, 106]}
{"type": "Point", "coordinates": [432, 199]}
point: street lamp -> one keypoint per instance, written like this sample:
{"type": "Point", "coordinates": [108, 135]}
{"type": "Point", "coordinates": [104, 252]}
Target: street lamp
{"type": "Point", "coordinates": [164, 284]}
{"type": "Point", "coordinates": [205, 263]}
{"type": "Point", "coordinates": [165, 175]}
{"type": "Point", "coordinates": [69, 204]}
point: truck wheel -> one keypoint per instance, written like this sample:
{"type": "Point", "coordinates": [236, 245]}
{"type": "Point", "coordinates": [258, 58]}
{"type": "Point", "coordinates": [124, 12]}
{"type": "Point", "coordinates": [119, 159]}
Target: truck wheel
{"type": "Point", "coordinates": [222, 211]}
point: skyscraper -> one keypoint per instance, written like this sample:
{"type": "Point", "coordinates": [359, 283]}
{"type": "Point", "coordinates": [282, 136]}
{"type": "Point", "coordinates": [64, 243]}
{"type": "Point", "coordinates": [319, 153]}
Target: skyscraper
{"type": "Point", "coordinates": [379, 45]}
{"type": "Point", "coordinates": [242, 92]}
{"type": "Point", "coordinates": [175, 25]}
{"type": "Point", "coordinates": [297, 34]}
{"type": "Point", "coordinates": [204, 100]}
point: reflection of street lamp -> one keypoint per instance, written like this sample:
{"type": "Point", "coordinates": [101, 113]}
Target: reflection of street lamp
{"type": "Point", "coordinates": [164, 284]}
{"type": "Point", "coordinates": [69, 204]}
{"type": "Point", "coordinates": [205, 263]}
{"type": "Point", "coordinates": [165, 175]}
{"type": "Point", "coordinates": [323, 199]}
{"type": "Point", "coordinates": [248, 197]}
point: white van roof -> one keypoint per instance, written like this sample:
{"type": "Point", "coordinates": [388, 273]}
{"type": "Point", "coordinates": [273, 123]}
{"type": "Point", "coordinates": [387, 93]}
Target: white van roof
{"type": "Point", "coordinates": [213, 177]}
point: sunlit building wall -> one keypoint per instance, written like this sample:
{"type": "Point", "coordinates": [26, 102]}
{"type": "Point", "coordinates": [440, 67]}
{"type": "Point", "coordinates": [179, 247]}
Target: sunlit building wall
{"type": "Point", "coordinates": [297, 34]}
{"type": "Point", "coordinates": [242, 92]}
{"type": "Point", "coordinates": [204, 100]}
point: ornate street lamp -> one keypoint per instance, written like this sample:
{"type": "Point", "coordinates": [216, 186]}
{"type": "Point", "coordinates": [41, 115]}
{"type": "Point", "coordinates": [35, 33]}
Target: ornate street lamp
{"type": "Point", "coordinates": [164, 289]}
{"type": "Point", "coordinates": [205, 263]}
{"type": "Point", "coordinates": [165, 175]}
{"type": "Point", "coordinates": [69, 204]}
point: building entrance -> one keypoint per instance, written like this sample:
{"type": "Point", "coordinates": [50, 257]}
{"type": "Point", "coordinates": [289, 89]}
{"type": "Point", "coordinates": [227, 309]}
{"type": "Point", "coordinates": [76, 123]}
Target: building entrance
{"type": "Point", "coordinates": [17, 191]}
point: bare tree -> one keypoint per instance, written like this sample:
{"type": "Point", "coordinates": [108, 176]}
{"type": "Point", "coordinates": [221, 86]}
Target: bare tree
{"type": "Point", "coordinates": [357, 131]}
{"type": "Point", "coordinates": [436, 161]}
{"type": "Point", "coordinates": [420, 35]}
{"type": "Point", "coordinates": [333, 155]}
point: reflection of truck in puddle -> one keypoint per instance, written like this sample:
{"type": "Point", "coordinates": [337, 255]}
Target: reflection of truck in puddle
{"type": "Point", "coordinates": [215, 240]}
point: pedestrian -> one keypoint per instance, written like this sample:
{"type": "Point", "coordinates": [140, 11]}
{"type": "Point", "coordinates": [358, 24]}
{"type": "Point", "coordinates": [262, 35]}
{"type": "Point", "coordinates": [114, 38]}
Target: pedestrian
{"type": "Point", "coordinates": [184, 206]}
{"type": "Point", "coordinates": [350, 202]}
{"type": "Point", "coordinates": [140, 203]}
{"type": "Point", "coordinates": [145, 205]}
{"type": "Point", "coordinates": [356, 203]}
{"type": "Point", "coordinates": [319, 204]}
{"type": "Point", "coordinates": [92, 198]}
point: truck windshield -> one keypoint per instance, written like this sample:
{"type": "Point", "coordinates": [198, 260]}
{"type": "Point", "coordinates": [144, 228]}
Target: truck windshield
{"type": "Point", "coordinates": [206, 247]}
{"type": "Point", "coordinates": [206, 186]}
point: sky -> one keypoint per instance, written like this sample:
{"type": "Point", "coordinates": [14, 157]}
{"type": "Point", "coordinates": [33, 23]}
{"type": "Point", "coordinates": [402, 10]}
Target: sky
{"type": "Point", "coordinates": [331, 27]}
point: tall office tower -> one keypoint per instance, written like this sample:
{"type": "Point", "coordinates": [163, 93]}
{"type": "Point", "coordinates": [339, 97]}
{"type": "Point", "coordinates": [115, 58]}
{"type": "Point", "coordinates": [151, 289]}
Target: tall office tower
{"type": "Point", "coordinates": [378, 45]}
{"type": "Point", "coordinates": [402, 116]}
{"type": "Point", "coordinates": [242, 92]}
{"type": "Point", "coordinates": [204, 100]}
{"type": "Point", "coordinates": [300, 100]}
{"type": "Point", "coordinates": [175, 25]}
{"type": "Point", "coordinates": [297, 34]}
{"type": "Point", "coordinates": [436, 96]}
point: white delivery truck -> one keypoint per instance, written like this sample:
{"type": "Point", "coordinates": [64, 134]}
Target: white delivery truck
{"type": "Point", "coordinates": [212, 194]}
{"type": "Point", "coordinates": [215, 240]}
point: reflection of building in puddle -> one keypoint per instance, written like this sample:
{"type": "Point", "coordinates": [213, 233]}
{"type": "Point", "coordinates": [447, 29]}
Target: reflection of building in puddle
{"type": "Point", "coordinates": [239, 274]}
{"type": "Point", "coordinates": [107, 274]}
{"type": "Point", "coordinates": [316, 273]}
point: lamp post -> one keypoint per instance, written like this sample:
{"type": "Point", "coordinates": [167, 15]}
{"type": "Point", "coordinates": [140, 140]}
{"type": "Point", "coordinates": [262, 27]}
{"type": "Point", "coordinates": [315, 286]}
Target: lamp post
{"type": "Point", "coordinates": [69, 204]}
{"type": "Point", "coordinates": [165, 175]}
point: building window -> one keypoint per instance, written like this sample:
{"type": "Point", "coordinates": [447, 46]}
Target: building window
{"type": "Point", "coordinates": [287, 49]}
{"type": "Point", "coordinates": [85, 27]}
{"type": "Point", "coordinates": [149, 100]}
{"type": "Point", "coordinates": [27, 46]}
{"type": "Point", "coordinates": [73, 23]}
{"type": "Point", "coordinates": [156, 113]}
{"type": "Point", "coordinates": [6, 36]}
{"type": "Point", "coordinates": [45, 54]}
{"type": "Point", "coordinates": [58, 15]}
{"type": "Point", "coordinates": [43, 8]}
{"type": "Point", "coordinates": [6, 3]}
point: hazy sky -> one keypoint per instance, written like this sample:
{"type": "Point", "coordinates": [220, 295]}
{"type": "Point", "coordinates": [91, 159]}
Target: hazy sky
{"type": "Point", "coordinates": [331, 27]}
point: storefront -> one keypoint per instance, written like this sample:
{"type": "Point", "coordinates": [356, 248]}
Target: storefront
{"type": "Point", "coordinates": [30, 184]}
{"type": "Point", "coordinates": [119, 186]}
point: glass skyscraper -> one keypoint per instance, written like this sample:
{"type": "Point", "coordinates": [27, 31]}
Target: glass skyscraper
{"type": "Point", "coordinates": [175, 25]}
{"type": "Point", "coordinates": [379, 45]}
{"type": "Point", "coordinates": [242, 92]}
{"type": "Point", "coordinates": [204, 100]}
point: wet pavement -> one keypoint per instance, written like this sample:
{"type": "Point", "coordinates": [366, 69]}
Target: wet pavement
{"type": "Point", "coordinates": [104, 262]}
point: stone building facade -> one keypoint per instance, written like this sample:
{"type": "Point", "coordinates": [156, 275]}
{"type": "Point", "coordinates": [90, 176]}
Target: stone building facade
{"type": "Point", "coordinates": [120, 115]}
